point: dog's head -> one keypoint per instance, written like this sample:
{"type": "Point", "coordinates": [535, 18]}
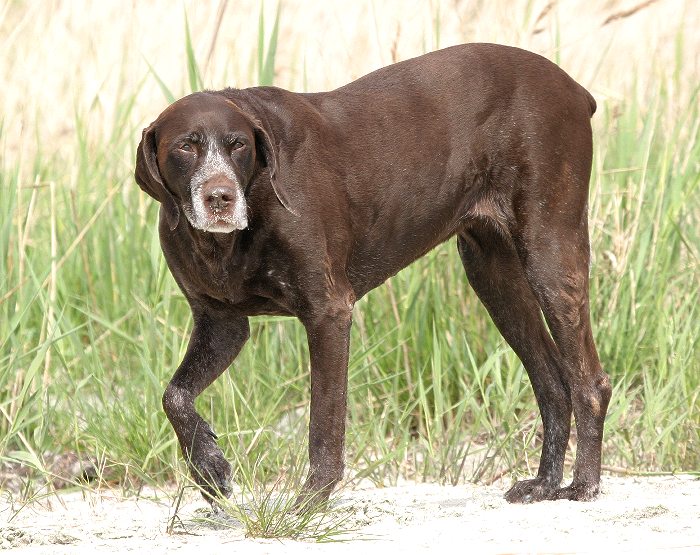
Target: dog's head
{"type": "Point", "coordinates": [200, 156]}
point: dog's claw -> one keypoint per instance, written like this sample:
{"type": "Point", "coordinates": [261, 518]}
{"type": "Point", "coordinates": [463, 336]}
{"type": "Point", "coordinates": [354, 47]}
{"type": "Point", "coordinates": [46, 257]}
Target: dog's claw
{"type": "Point", "coordinates": [578, 492]}
{"type": "Point", "coordinates": [214, 479]}
{"type": "Point", "coordinates": [538, 489]}
{"type": "Point", "coordinates": [309, 500]}
{"type": "Point", "coordinates": [211, 471]}
{"type": "Point", "coordinates": [531, 491]}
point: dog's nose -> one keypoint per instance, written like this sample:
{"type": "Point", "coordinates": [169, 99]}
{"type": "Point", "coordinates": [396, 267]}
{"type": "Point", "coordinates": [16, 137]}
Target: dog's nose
{"type": "Point", "coordinates": [220, 197]}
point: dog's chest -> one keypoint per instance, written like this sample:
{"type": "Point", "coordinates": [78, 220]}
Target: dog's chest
{"type": "Point", "coordinates": [244, 289]}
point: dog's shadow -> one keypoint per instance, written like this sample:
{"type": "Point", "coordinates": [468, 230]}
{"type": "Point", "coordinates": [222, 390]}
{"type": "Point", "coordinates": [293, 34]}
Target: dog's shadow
{"type": "Point", "coordinates": [204, 520]}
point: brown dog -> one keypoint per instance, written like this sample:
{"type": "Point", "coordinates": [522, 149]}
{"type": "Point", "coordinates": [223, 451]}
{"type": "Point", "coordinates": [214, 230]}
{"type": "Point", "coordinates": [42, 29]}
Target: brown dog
{"type": "Point", "coordinates": [276, 202]}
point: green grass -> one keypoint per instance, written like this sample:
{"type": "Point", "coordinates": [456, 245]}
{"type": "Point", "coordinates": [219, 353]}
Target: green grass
{"type": "Point", "coordinates": [92, 325]}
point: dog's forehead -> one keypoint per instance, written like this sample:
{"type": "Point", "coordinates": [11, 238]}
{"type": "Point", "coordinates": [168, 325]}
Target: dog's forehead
{"type": "Point", "coordinates": [202, 112]}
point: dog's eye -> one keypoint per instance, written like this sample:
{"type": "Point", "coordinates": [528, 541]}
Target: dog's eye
{"type": "Point", "coordinates": [186, 147]}
{"type": "Point", "coordinates": [237, 144]}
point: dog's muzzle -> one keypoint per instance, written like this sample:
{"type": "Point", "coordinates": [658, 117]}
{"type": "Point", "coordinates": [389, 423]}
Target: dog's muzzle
{"type": "Point", "coordinates": [218, 206]}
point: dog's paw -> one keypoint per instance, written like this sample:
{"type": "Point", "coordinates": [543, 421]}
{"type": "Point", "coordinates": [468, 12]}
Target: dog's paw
{"type": "Point", "coordinates": [316, 491]}
{"type": "Point", "coordinates": [212, 472]}
{"type": "Point", "coordinates": [531, 491]}
{"type": "Point", "coordinates": [578, 492]}
{"type": "Point", "coordinates": [311, 500]}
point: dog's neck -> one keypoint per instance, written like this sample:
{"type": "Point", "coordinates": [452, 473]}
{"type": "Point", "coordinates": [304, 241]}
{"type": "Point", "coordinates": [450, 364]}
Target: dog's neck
{"type": "Point", "coordinates": [217, 250]}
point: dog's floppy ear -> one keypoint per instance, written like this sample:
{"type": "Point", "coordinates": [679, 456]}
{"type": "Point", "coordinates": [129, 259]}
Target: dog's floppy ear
{"type": "Point", "coordinates": [149, 179]}
{"type": "Point", "coordinates": [268, 151]}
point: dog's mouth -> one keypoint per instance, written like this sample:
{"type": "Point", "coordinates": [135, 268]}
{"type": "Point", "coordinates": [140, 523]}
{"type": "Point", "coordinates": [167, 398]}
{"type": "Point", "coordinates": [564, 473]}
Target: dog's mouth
{"type": "Point", "coordinates": [219, 224]}
{"type": "Point", "coordinates": [212, 220]}
{"type": "Point", "coordinates": [224, 225]}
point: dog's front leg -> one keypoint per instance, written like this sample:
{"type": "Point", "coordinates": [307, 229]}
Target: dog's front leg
{"type": "Point", "coordinates": [215, 342]}
{"type": "Point", "coordinates": [329, 341]}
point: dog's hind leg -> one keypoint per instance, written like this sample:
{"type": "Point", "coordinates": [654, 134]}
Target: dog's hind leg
{"type": "Point", "coordinates": [497, 276]}
{"type": "Point", "coordinates": [554, 248]}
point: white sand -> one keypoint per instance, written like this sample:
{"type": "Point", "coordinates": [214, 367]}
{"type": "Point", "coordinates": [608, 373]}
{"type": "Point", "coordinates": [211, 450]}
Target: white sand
{"type": "Point", "coordinates": [635, 515]}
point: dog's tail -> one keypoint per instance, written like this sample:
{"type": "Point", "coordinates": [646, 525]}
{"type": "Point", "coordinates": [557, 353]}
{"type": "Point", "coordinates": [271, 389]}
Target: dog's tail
{"type": "Point", "coordinates": [591, 102]}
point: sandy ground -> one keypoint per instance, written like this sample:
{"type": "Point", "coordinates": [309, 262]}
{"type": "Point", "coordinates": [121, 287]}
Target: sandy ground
{"type": "Point", "coordinates": [635, 515]}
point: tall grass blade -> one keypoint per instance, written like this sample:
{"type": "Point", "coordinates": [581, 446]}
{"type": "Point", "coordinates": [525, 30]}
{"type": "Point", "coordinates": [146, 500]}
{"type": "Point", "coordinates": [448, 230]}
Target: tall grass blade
{"type": "Point", "coordinates": [193, 73]}
{"type": "Point", "coordinates": [267, 67]}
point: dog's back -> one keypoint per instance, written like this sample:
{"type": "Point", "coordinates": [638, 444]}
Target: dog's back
{"type": "Point", "coordinates": [432, 141]}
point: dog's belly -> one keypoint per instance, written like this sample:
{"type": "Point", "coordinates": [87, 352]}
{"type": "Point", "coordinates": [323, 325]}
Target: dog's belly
{"type": "Point", "coordinates": [396, 238]}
